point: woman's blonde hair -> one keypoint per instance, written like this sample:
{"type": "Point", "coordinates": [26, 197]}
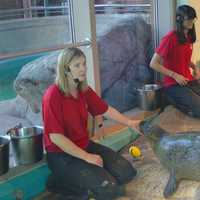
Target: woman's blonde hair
{"type": "Point", "coordinates": [64, 60]}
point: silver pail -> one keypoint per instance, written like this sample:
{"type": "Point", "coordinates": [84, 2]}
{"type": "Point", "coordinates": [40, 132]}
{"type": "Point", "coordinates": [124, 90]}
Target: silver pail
{"type": "Point", "coordinates": [149, 97]}
{"type": "Point", "coordinates": [27, 145]}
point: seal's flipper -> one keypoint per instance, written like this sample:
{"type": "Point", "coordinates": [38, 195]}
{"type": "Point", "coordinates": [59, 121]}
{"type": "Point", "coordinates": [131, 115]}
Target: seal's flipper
{"type": "Point", "coordinates": [171, 185]}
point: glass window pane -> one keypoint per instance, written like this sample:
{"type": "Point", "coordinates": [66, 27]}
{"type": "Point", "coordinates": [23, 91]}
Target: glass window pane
{"type": "Point", "coordinates": [32, 25]}
{"type": "Point", "coordinates": [29, 27]}
{"type": "Point", "coordinates": [125, 42]}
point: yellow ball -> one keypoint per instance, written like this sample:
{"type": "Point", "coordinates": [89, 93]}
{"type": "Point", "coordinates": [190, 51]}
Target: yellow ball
{"type": "Point", "coordinates": [135, 151]}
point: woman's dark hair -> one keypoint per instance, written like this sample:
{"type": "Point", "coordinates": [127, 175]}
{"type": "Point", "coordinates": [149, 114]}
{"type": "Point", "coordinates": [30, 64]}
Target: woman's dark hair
{"type": "Point", "coordinates": [185, 12]}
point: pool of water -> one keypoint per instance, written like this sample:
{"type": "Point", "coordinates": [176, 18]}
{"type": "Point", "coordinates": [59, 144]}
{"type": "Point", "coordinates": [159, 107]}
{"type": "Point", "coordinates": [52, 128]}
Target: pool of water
{"type": "Point", "coordinates": [8, 72]}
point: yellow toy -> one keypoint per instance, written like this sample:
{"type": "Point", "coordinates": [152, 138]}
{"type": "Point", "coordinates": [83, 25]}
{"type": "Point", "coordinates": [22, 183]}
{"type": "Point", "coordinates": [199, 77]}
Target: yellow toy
{"type": "Point", "coordinates": [135, 151]}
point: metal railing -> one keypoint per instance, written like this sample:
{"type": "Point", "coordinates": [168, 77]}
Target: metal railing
{"type": "Point", "coordinates": [122, 8]}
{"type": "Point", "coordinates": [35, 11]}
{"type": "Point", "coordinates": [87, 43]}
{"type": "Point", "coordinates": [43, 11]}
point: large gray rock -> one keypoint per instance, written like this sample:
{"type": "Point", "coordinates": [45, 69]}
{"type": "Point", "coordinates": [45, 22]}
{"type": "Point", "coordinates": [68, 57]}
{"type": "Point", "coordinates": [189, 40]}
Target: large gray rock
{"type": "Point", "coordinates": [30, 85]}
{"type": "Point", "coordinates": [125, 52]}
{"type": "Point", "coordinates": [15, 111]}
{"type": "Point", "coordinates": [34, 78]}
{"type": "Point", "coordinates": [15, 107]}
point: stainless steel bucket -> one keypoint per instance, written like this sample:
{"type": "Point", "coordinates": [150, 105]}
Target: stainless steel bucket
{"type": "Point", "coordinates": [4, 155]}
{"type": "Point", "coordinates": [26, 143]}
{"type": "Point", "coordinates": [149, 97]}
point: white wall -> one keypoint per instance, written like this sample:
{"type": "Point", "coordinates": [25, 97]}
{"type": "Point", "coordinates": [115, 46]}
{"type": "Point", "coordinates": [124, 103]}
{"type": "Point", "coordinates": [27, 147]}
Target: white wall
{"type": "Point", "coordinates": [165, 17]}
{"type": "Point", "coordinates": [181, 2]}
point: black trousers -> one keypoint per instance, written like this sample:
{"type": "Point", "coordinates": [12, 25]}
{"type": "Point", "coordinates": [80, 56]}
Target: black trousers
{"type": "Point", "coordinates": [73, 176]}
{"type": "Point", "coordinates": [186, 98]}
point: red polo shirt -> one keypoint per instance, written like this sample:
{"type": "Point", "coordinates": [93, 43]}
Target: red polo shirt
{"type": "Point", "coordinates": [176, 57]}
{"type": "Point", "coordinates": [68, 115]}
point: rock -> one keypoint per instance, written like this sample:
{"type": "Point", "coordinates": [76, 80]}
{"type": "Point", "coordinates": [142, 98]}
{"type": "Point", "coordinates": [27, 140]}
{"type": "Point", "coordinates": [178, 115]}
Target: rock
{"type": "Point", "coordinates": [172, 120]}
{"type": "Point", "coordinates": [15, 111]}
{"type": "Point", "coordinates": [34, 118]}
{"type": "Point", "coordinates": [125, 52]}
{"type": "Point", "coordinates": [34, 78]}
{"type": "Point", "coordinates": [30, 85]}
{"type": "Point", "coordinates": [14, 107]}
{"type": "Point", "coordinates": [8, 122]}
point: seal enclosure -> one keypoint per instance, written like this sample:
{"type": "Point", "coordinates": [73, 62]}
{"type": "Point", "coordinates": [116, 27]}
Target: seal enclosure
{"type": "Point", "coordinates": [178, 153]}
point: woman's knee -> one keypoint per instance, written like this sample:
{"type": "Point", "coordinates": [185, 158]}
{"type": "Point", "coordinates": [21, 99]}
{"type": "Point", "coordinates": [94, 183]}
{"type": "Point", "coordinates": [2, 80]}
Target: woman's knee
{"type": "Point", "coordinates": [128, 174]}
{"type": "Point", "coordinates": [123, 171]}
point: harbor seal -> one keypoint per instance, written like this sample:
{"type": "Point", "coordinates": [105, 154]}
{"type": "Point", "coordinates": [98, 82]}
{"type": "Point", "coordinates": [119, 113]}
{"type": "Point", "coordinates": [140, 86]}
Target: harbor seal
{"type": "Point", "coordinates": [178, 153]}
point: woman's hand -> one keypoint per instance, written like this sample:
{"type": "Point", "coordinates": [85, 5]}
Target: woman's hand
{"type": "Point", "coordinates": [181, 80]}
{"type": "Point", "coordinates": [94, 159]}
{"type": "Point", "coordinates": [134, 124]}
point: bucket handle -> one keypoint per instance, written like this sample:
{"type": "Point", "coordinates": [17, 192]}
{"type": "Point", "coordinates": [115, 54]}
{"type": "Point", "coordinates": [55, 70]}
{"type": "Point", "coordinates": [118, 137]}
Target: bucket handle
{"type": "Point", "coordinates": [13, 130]}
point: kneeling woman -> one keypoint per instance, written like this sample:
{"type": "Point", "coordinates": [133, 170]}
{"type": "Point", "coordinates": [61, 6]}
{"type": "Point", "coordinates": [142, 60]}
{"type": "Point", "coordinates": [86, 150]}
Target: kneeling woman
{"type": "Point", "coordinates": [79, 166]}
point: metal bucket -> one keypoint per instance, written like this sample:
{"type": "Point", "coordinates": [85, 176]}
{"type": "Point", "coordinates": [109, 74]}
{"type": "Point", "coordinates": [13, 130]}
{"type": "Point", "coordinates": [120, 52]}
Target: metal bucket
{"type": "Point", "coordinates": [149, 97]}
{"type": "Point", "coordinates": [4, 155]}
{"type": "Point", "coordinates": [27, 144]}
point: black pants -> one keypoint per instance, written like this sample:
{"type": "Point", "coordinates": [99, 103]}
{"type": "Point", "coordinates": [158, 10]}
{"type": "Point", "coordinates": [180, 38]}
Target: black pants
{"type": "Point", "coordinates": [186, 98]}
{"type": "Point", "coordinates": [75, 176]}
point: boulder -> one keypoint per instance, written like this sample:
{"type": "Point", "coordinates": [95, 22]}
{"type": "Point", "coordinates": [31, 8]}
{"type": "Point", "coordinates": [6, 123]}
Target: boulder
{"type": "Point", "coordinates": [30, 85]}
{"type": "Point", "coordinates": [125, 52]}
{"type": "Point", "coordinates": [15, 111]}
{"type": "Point", "coordinates": [8, 122]}
{"type": "Point", "coordinates": [34, 78]}
{"type": "Point", "coordinates": [14, 107]}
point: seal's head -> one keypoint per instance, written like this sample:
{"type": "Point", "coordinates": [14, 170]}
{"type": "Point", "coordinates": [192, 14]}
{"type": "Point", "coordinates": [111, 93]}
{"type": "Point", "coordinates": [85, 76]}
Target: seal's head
{"type": "Point", "coordinates": [151, 132]}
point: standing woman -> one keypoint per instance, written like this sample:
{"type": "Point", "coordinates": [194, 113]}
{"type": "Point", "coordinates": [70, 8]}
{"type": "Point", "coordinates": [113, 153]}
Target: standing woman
{"type": "Point", "coordinates": [173, 59]}
{"type": "Point", "coordinates": [80, 167]}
